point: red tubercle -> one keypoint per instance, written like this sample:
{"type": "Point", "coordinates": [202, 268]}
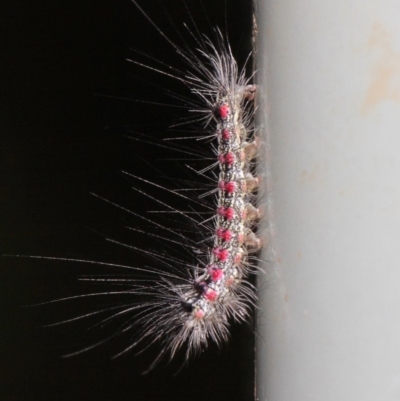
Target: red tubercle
{"type": "Point", "coordinates": [229, 187]}
{"type": "Point", "coordinates": [215, 273]}
{"type": "Point", "coordinates": [228, 158]}
{"type": "Point", "coordinates": [224, 110]}
{"type": "Point", "coordinates": [199, 314]}
{"type": "Point", "coordinates": [225, 134]}
{"type": "Point", "coordinates": [228, 212]}
{"type": "Point", "coordinates": [224, 234]}
{"type": "Point", "coordinates": [211, 295]}
{"type": "Point", "coordinates": [221, 254]}
{"type": "Point", "coordinates": [220, 233]}
{"type": "Point", "coordinates": [207, 292]}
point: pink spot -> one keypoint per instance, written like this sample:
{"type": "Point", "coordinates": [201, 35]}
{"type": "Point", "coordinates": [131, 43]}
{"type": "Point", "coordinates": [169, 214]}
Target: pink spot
{"type": "Point", "coordinates": [223, 234]}
{"type": "Point", "coordinates": [199, 314]}
{"type": "Point", "coordinates": [224, 111]}
{"type": "Point", "coordinates": [211, 295]}
{"type": "Point", "coordinates": [228, 235]}
{"type": "Point", "coordinates": [226, 134]}
{"type": "Point", "coordinates": [216, 274]}
{"type": "Point", "coordinates": [220, 233]}
{"type": "Point", "coordinates": [242, 156]}
{"type": "Point", "coordinates": [229, 158]}
{"type": "Point", "coordinates": [241, 238]}
{"type": "Point", "coordinates": [221, 211]}
{"type": "Point", "coordinates": [228, 213]}
{"type": "Point", "coordinates": [230, 187]}
{"type": "Point", "coordinates": [221, 254]}
{"type": "Point", "coordinates": [221, 185]}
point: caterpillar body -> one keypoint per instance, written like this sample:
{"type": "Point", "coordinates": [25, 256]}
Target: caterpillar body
{"type": "Point", "coordinates": [184, 304]}
{"type": "Point", "coordinates": [199, 308]}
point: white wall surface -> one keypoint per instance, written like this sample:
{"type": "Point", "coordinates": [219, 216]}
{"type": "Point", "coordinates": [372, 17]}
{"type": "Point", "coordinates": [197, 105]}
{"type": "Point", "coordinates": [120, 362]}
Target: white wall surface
{"type": "Point", "coordinates": [329, 105]}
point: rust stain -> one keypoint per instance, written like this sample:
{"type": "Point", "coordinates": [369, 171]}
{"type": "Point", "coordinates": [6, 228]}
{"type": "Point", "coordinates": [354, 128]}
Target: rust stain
{"type": "Point", "coordinates": [385, 77]}
{"type": "Point", "coordinates": [309, 176]}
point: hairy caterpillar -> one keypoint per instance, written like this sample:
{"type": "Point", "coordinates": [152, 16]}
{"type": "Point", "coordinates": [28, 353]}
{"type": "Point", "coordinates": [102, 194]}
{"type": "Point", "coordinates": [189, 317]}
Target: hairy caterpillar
{"type": "Point", "coordinates": [192, 303]}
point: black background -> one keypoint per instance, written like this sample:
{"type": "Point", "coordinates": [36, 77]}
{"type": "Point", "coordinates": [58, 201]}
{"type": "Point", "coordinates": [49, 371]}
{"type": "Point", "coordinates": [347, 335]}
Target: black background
{"type": "Point", "coordinates": [63, 133]}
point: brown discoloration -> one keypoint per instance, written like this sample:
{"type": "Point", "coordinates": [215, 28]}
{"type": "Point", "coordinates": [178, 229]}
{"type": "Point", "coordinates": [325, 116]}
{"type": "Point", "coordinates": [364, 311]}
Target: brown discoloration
{"type": "Point", "coordinates": [310, 176]}
{"type": "Point", "coordinates": [385, 77]}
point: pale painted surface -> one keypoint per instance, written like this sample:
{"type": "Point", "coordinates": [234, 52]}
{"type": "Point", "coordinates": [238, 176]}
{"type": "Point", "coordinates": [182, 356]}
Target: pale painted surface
{"type": "Point", "coordinates": [329, 323]}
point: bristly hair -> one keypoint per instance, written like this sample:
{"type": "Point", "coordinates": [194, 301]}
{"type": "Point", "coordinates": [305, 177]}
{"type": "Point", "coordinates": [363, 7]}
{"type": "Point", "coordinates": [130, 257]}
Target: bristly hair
{"type": "Point", "coordinates": [188, 302]}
